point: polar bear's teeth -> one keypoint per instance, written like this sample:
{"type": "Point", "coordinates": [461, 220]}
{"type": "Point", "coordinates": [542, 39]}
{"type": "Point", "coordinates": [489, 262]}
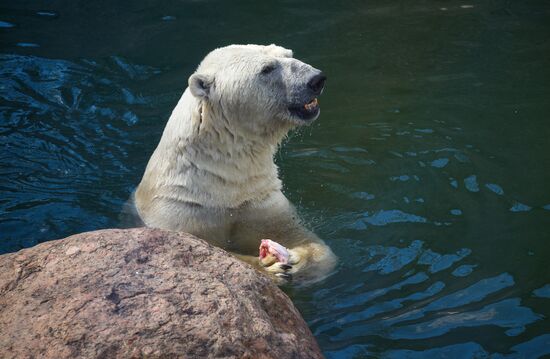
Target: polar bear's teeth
{"type": "Point", "coordinates": [311, 105]}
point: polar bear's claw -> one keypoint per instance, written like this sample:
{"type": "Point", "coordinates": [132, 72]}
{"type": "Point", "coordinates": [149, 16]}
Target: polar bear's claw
{"type": "Point", "coordinates": [278, 267]}
{"type": "Point", "coordinates": [285, 276]}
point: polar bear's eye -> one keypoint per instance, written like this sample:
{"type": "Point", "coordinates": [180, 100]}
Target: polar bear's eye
{"type": "Point", "coordinates": [268, 69]}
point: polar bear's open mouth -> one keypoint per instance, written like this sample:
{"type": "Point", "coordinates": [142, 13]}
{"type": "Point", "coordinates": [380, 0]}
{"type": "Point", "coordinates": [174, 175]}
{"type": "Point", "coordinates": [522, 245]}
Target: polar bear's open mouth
{"type": "Point", "coordinates": [307, 111]}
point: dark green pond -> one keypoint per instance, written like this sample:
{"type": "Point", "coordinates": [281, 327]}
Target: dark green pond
{"type": "Point", "coordinates": [428, 171]}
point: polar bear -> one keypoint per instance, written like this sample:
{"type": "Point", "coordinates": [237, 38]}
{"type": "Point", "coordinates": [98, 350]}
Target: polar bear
{"type": "Point", "coordinates": [213, 174]}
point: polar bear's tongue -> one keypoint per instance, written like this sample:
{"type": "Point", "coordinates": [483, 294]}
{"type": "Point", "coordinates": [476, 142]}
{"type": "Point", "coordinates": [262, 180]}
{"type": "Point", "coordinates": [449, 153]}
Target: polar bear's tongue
{"type": "Point", "coordinates": [311, 104]}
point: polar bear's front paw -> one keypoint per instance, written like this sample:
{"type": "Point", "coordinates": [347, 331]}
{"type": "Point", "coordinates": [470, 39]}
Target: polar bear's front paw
{"type": "Point", "coordinates": [282, 272]}
{"type": "Point", "coordinates": [279, 267]}
{"type": "Point", "coordinates": [272, 252]}
{"type": "Point", "coordinates": [293, 257]}
{"type": "Point", "coordinates": [276, 259]}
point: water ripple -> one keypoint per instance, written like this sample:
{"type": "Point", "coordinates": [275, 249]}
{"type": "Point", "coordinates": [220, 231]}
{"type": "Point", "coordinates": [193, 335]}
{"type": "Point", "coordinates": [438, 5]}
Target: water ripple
{"type": "Point", "coordinates": [506, 314]}
{"type": "Point", "coordinates": [65, 144]}
{"type": "Point", "coordinates": [426, 172]}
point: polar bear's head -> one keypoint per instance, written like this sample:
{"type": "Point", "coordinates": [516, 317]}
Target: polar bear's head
{"type": "Point", "coordinates": [258, 87]}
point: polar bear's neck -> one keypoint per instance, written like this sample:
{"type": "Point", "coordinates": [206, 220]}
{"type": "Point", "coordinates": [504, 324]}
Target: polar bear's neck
{"type": "Point", "coordinates": [203, 159]}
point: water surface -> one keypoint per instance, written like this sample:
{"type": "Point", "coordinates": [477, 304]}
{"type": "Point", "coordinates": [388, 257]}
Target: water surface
{"type": "Point", "coordinates": [427, 171]}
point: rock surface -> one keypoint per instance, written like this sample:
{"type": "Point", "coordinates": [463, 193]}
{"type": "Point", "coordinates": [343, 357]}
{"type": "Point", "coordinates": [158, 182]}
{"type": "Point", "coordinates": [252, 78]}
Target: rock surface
{"type": "Point", "coordinates": [143, 293]}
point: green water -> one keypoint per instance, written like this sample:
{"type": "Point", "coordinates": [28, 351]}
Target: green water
{"type": "Point", "coordinates": [428, 171]}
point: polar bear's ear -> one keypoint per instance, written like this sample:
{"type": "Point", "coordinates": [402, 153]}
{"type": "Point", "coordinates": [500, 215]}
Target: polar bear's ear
{"type": "Point", "coordinates": [200, 84]}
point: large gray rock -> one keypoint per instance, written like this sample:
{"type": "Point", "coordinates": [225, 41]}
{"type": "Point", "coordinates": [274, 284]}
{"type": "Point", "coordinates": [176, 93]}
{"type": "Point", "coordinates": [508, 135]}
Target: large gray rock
{"type": "Point", "coordinates": [143, 293]}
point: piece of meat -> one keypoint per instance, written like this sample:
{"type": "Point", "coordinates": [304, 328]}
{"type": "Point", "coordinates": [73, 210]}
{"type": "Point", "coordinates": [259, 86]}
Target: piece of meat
{"type": "Point", "coordinates": [269, 247]}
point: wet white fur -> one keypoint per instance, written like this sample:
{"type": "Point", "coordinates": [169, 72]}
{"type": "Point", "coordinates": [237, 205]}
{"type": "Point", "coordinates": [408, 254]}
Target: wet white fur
{"type": "Point", "coordinates": [213, 174]}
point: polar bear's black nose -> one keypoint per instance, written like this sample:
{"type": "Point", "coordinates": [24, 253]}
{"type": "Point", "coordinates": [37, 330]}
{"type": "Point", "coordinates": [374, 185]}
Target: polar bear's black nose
{"type": "Point", "coordinates": [317, 83]}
